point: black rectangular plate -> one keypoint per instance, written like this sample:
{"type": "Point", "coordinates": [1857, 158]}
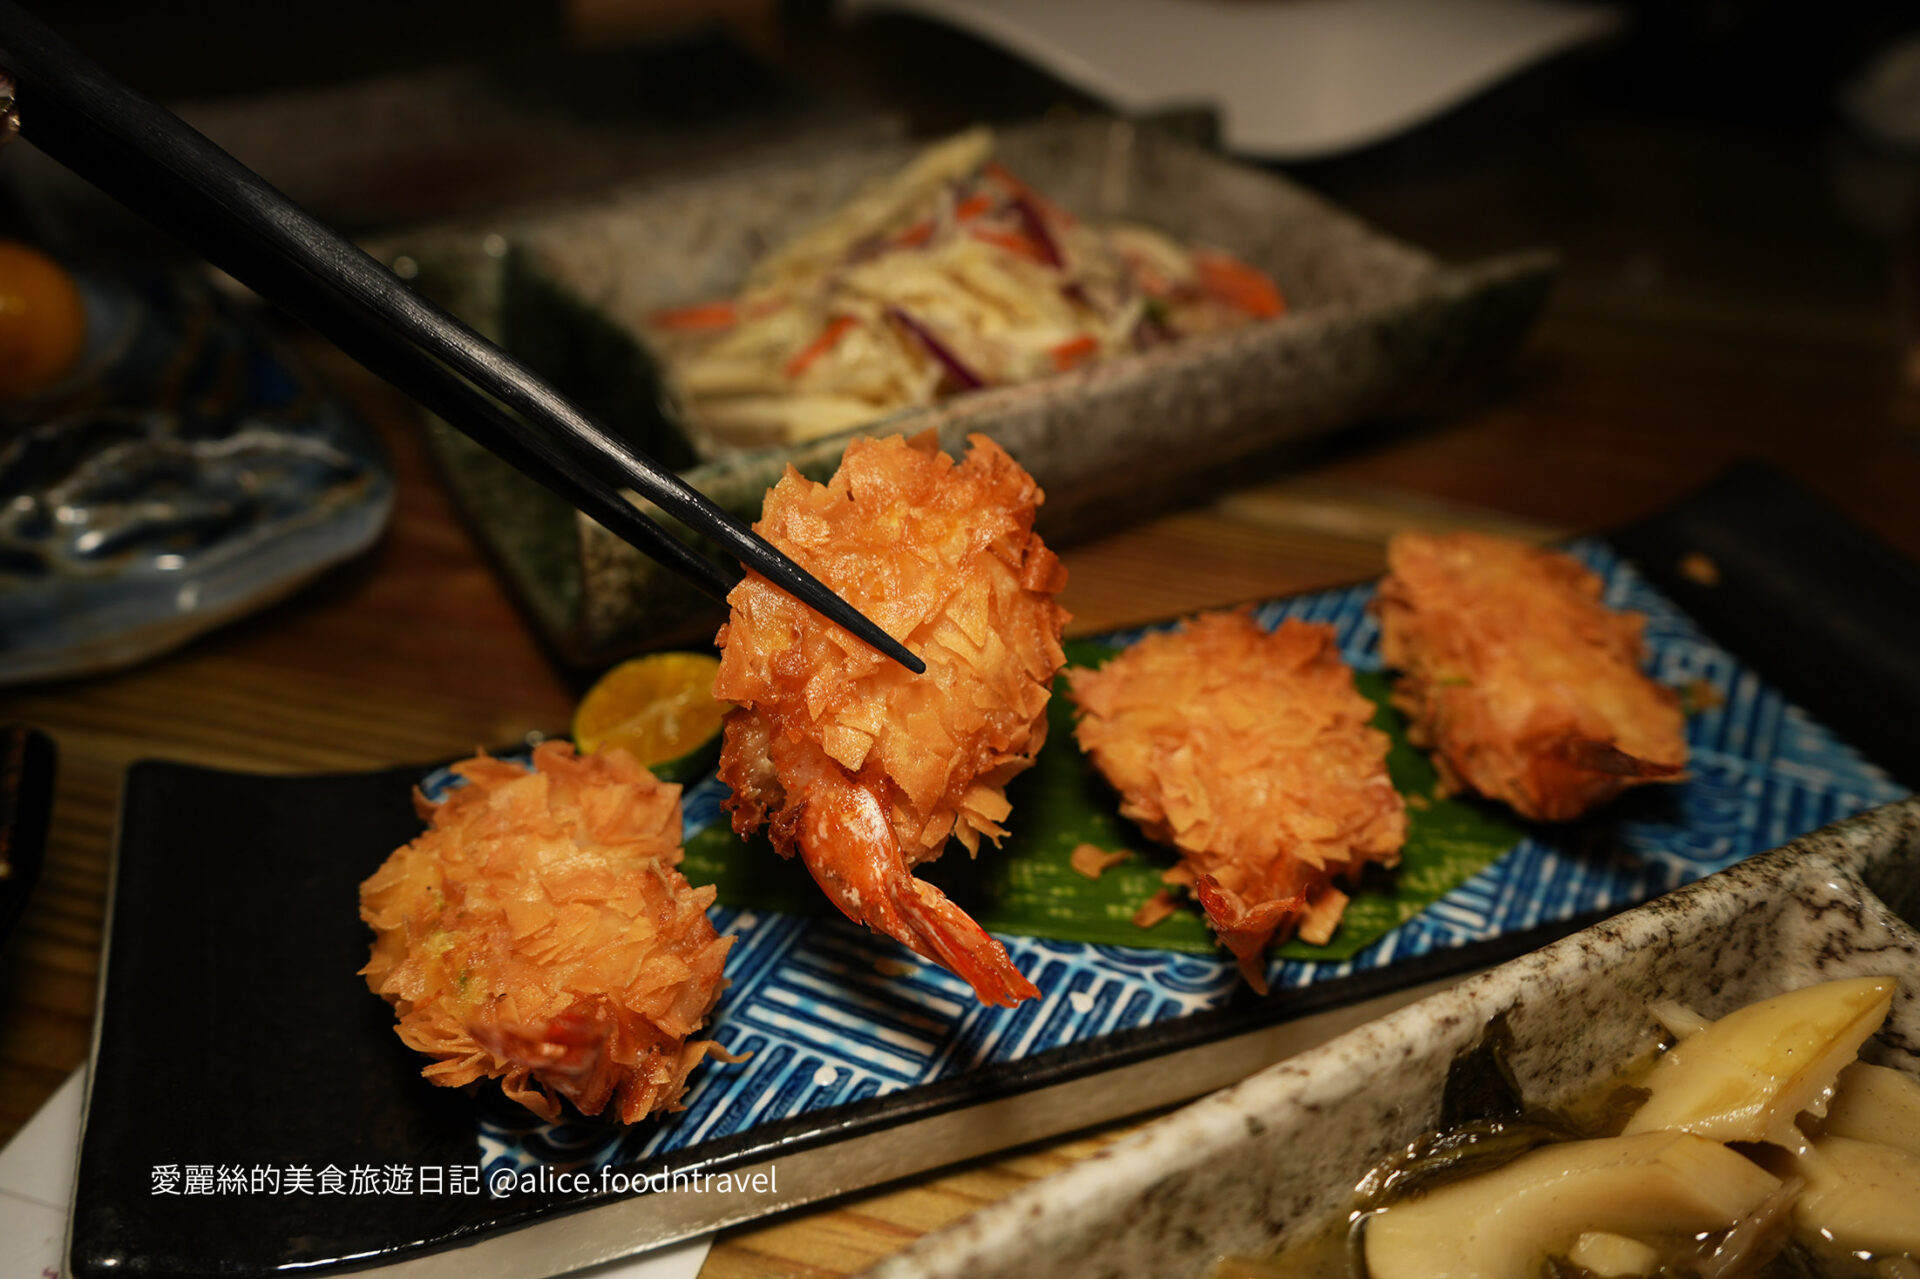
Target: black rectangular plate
{"type": "Point", "coordinates": [233, 1032]}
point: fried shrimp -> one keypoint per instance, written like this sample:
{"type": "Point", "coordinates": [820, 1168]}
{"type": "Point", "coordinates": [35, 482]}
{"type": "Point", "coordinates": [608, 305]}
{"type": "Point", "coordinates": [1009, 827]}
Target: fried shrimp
{"type": "Point", "coordinates": [540, 934]}
{"type": "Point", "coordinates": [864, 767]}
{"type": "Point", "coordinates": [1251, 752]}
{"type": "Point", "coordinates": [1527, 688]}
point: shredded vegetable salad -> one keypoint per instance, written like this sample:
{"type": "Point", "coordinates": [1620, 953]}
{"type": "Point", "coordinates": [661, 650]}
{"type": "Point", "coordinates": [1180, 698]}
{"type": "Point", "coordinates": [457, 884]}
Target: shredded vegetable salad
{"type": "Point", "coordinates": [949, 276]}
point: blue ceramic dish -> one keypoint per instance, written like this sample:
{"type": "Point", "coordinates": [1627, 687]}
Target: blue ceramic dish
{"type": "Point", "coordinates": [188, 473]}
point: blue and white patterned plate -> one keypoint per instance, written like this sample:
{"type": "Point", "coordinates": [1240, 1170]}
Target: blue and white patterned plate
{"type": "Point", "coordinates": [830, 1013]}
{"type": "Point", "coordinates": [293, 1128]}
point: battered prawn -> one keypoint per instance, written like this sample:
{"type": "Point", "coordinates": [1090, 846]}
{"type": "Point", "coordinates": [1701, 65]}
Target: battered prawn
{"type": "Point", "coordinates": [1251, 752]}
{"type": "Point", "coordinates": [864, 768]}
{"type": "Point", "coordinates": [1526, 686]}
{"type": "Point", "coordinates": [540, 934]}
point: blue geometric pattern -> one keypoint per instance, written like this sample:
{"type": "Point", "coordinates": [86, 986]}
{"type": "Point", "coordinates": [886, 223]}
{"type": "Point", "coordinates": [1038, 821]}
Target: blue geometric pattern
{"type": "Point", "coordinates": [831, 1013]}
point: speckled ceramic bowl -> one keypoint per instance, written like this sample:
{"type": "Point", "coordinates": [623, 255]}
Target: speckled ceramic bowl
{"type": "Point", "coordinates": [1373, 326]}
{"type": "Point", "coordinates": [1255, 1166]}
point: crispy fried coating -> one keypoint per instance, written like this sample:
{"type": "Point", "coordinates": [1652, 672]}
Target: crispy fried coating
{"type": "Point", "coordinates": [540, 934]}
{"type": "Point", "coordinates": [862, 766]}
{"type": "Point", "coordinates": [1527, 688]}
{"type": "Point", "coordinates": [1251, 752]}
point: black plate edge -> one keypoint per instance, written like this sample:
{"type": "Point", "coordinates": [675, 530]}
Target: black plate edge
{"type": "Point", "coordinates": [1824, 610]}
{"type": "Point", "coordinates": [1069, 1063]}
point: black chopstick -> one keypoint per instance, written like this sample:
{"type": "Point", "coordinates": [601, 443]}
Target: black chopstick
{"type": "Point", "coordinates": [154, 163]}
{"type": "Point", "coordinates": [438, 390]}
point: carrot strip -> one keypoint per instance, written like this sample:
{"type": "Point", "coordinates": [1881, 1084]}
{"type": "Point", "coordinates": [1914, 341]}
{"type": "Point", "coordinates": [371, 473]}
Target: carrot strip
{"type": "Point", "coordinates": [973, 206]}
{"type": "Point", "coordinates": [829, 338]}
{"type": "Point", "coordinates": [1015, 242]}
{"type": "Point", "coordinates": [706, 317]}
{"type": "Point", "coordinates": [1239, 285]}
{"type": "Point", "coordinates": [999, 173]}
{"type": "Point", "coordinates": [966, 211]}
{"type": "Point", "coordinates": [1074, 351]}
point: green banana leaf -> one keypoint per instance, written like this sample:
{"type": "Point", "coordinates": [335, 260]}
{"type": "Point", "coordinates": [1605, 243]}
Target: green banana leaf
{"type": "Point", "coordinates": [1027, 886]}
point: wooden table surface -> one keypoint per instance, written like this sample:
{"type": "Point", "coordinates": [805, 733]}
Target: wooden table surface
{"type": "Point", "coordinates": [1720, 302]}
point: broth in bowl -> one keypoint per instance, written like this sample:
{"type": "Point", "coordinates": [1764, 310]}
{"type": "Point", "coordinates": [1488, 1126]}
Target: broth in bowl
{"type": "Point", "coordinates": [1752, 1145]}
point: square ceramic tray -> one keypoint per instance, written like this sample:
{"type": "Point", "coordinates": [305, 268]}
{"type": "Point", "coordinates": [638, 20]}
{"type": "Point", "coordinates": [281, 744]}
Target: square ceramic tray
{"type": "Point", "coordinates": [1275, 1158]}
{"type": "Point", "coordinates": [234, 1035]}
{"type": "Point", "coordinates": [1373, 326]}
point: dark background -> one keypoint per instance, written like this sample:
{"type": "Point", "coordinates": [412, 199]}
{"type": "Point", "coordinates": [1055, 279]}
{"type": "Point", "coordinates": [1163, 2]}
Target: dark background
{"type": "Point", "coordinates": [1756, 60]}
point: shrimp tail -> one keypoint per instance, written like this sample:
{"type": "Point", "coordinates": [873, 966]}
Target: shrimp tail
{"type": "Point", "coordinates": [1247, 929]}
{"type": "Point", "coordinates": [965, 948]}
{"type": "Point", "coordinates": [1568, 774]}
{"type": "Point", "coordinates": [849, 847]}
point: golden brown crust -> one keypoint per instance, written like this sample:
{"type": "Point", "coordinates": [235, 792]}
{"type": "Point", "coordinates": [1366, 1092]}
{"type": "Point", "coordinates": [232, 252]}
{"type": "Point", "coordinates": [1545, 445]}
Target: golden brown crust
{"type": "Point", "coordinates": [1515, 673]}
{"type": "Point", "coordinates": [943, 556]}
{"type": "Point", "coordinates": [1251, 752]}
{"type": "Point", "coordinates": [539, 933]}
{"type": "Point", "coordinates": [1094, 861]}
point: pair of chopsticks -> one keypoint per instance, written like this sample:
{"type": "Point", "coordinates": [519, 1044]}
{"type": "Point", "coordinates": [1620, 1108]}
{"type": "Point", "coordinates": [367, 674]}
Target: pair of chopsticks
{"type": "Point", "coordinates": [151, 161]}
